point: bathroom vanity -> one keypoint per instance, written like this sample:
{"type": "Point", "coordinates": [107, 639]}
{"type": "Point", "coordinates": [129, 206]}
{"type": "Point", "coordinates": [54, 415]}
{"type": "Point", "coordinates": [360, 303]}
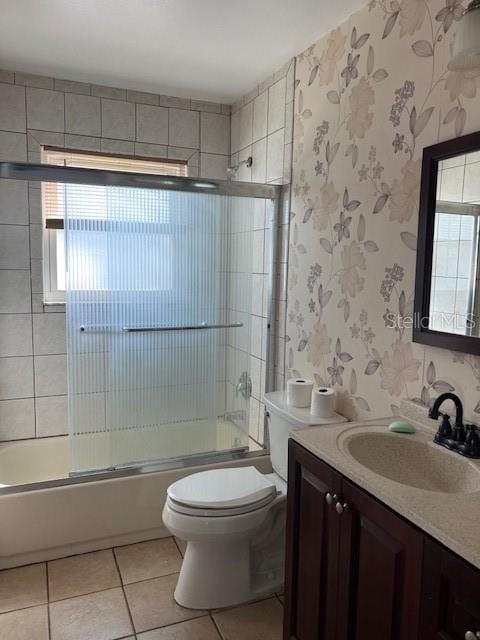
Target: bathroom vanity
{"type": "Point", "coordinates": [370, 557]}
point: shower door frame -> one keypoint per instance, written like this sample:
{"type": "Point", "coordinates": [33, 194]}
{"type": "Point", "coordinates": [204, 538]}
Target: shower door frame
{"type": "Point", "coordinates": [100, 177]}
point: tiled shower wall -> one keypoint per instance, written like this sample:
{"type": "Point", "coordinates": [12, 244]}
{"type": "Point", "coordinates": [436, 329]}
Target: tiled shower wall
{"type": "Point", "coordinates": [261, 127]}
{"type": "Point", "coordinates": [37, 111]}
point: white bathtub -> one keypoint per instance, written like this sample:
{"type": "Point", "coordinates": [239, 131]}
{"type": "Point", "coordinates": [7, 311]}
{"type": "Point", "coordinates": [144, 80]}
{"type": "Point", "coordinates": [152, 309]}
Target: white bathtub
{"type": "Point", "coordinates": [77, 516]}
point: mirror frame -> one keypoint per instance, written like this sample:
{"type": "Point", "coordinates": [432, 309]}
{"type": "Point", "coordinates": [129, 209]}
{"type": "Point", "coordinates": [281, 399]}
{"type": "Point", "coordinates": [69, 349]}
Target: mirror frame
{"type": "Point", "coordinates": [426, 220]}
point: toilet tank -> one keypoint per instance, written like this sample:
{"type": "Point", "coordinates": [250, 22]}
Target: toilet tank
{"type": "Point", "coordinates": [282, 419]}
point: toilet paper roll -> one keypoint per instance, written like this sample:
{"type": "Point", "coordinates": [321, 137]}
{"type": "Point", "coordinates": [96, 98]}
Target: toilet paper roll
{"type": "Point", "coordinates": [299, 392]}
{"type": "Point", "coordinates": [323, 402]}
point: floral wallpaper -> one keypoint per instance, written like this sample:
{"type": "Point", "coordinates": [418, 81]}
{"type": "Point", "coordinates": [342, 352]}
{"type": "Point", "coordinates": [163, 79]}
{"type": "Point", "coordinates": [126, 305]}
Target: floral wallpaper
{"type": "Point", "coordinates": [368, 97]}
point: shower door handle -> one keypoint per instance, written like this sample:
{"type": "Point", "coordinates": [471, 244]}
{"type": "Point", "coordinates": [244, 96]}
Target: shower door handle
{"type": "Point", "coordinates": [186, 327]}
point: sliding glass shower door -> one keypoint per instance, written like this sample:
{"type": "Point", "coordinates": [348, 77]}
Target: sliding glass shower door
{"type": "Point", "coordinates": [149, 321]}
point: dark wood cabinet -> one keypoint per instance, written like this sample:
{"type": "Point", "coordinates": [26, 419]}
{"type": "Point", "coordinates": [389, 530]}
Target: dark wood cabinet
{"type": "Point", "coordinates": [355, 570]}
{"type": "Point", "coordinates": [311, 567]}
{"type": "Point", "coordinates": [451, 596]}
{"type": "Point", "coordinates": [379, 571]}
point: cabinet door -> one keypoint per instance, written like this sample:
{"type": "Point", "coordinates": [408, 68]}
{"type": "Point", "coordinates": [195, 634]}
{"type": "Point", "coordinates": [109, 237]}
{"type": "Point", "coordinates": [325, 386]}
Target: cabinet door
{"type": "Point", "coordinates": [312, 548]}
{"type": "Point", "coordinates": [379, 571]}
{"type": "Point", "coordinates": [451, 595]}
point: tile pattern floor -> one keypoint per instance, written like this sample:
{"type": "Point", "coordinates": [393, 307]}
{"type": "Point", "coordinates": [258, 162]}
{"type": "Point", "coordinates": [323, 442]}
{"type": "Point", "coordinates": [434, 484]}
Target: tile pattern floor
{"type": "Point", "coordinates": [122, 593]}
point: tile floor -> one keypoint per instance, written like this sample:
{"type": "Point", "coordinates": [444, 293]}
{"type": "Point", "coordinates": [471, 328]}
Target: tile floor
{"type": "Point", "coordinates": [125, 592]}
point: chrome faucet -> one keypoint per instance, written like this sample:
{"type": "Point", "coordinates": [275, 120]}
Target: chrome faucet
{"type": "Point", "coordinates": [244, 385]}
{"type": "Point", "coordinates": [464, 439]}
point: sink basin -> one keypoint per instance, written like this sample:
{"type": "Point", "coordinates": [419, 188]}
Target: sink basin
{"type": "Point", "coordinates": [414, 461]}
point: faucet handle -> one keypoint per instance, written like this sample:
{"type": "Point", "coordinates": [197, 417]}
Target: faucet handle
{"type": "Point", "coordinates": [472, 439]}
{"type": "Point", "coordinates": [445, 428]}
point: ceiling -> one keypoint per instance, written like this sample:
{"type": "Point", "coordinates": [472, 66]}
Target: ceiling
{"type": "Point", "coordinates": [205, 49]}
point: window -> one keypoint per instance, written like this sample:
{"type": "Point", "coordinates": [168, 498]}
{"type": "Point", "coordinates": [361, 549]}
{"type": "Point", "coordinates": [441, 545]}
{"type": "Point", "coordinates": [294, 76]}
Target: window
{"type": "Point", "coordinates": [55, 196]}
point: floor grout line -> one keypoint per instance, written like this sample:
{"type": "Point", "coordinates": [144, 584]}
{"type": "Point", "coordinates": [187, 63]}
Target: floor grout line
{"type": "Point", "coordinates": [49, 626]}
{"type": "Point", "coordinates": [216, 627]}
{"type": "Point", "coordinates": [124, 594]}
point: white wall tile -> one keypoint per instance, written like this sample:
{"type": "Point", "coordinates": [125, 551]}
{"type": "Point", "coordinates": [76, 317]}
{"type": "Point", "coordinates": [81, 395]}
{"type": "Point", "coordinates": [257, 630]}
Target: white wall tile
{"type": "Point", "coordinates": [276, 106]}
{"type": "Point", "coordinates": [117, 146]}
{"type": "Point", "coordinates": [36, 233]}
{"type": "Point", "coordinates": [35, 139]}
{"type": "Point", "coordinates": [12, 108]}
{"type": "Point", "coordinates": [205, 106]}
{"type": "Point", "coordinates": [51, 416]}
{"type": "Point", "coordinates": [275, 151]}
{"type": "Point", "coordinates": [213, 166]}
{"type": "Point", "coordinates": [260, 114]}
{"type": "Point", "coordinates": [215, 133]}
{"type": "Point", "coordinates": [142, 97]}
{"type": "Point", "coordinates": [235, 132]}
{"type": "Point", "coordinates": [13, 202]}
{"type": "Point", "coordinates": [254, 408]}
{"type": "Point", "coordinates": [173, 101]}
{"type": "Point", "coordinates": [256, 336]}
{"type": "Point", "coordinates": [184, 128]}
{"type": "Point", "coordinates": [15, 288]}
{"type": "Point", "coordinates": [259, 214]}
{"type": "Point", "coordinates": [49, 333]}
{"type": "Point", "coordinates": [257, 251]}
{"type": "Point", "coordinates": [16, 378]}
{"type": "Point", "coordinates": [14, 247]}
{"type": "Point", "coordinates": [109, 92]}
{"type": "Point", "coordinates": [85, 143]}
{"type": "Point", "coordinates": [259, 166]}
{"type": "Point", "coordinates": [452, 184]}
{"type": "Point", "coordinates": [7, 76]}
{"type": "Point", "coordinates": [50, 375]}
{"type": "Point", "coordinates": [15, 334]}
{"type": "Point", "coordinates": [180, 153]}
{"type": "Point", "coordinates": [13, 147]}
{"type": "Point", "coordinates": [82, 115]}
{"type": "Point", "coordinates": [33, 80]}
{"type": "Point", "coordinates": [290, 83]}
{"type": "Point", "coordinates": [45, 110]}
{"type": "Point", "coordinates": [289, 112]}
{"type": "Point", "coordinates": [37, 276]}
{"type": "Point", "coordinates": [256, 302]}
{"type": "Point", "coordinates": [471, 187]}
{"type": "Point", "coordinates": [152, 124]}
{"type": "Point", "coordinates": [151, 150]}
{"type": "Point", "coordinates": [118, 119]}
{"type": "Point", "coordinates": [246, 125]}
{"type": "Point", "coordinates": [456, 161]}
{"type": "Point", "coordinates": [17, 419]}
{"type": "Point", "coordinates": [71, 86]}
{"type": "Point", "coordinates": [255, 370]}
{"type": "Point", "coordinates": [244, 174]}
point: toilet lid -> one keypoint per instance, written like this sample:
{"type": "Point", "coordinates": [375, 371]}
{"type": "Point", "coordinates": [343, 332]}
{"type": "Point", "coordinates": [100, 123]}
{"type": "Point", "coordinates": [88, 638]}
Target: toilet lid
{"type": "Point", "coordinates": [222, 488]}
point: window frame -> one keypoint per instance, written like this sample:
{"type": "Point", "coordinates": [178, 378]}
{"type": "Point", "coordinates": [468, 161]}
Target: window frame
{"type": "Point", "coordinates": [52, 295]}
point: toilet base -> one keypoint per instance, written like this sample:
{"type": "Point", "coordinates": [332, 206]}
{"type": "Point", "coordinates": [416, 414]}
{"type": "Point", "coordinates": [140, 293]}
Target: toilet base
{"type": "Point", "coordinates": [214, 575]}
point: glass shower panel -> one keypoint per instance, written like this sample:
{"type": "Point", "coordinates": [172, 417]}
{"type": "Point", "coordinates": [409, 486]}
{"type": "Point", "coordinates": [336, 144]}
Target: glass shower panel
{"type": "Point", "coordinates": [150, 323]}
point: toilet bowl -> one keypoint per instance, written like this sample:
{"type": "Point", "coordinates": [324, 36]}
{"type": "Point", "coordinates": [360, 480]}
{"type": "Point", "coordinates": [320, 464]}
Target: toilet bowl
{"type": "Point", "coordinates": [233, 520]}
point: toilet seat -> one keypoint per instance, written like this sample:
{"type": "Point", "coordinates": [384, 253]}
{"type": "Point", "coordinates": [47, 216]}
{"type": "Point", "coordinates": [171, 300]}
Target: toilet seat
{"type": "Point", "coordinates": [221, 492]}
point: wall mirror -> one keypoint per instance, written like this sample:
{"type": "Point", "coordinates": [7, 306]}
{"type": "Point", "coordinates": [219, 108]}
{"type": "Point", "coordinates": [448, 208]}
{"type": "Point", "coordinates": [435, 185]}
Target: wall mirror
{"type": "Point", "coordinates": [447, 285]}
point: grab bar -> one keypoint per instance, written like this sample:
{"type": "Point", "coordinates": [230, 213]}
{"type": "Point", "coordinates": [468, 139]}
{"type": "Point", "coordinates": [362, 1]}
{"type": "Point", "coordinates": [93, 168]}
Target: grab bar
{"type": "Point", "coordinates": [186, 327]}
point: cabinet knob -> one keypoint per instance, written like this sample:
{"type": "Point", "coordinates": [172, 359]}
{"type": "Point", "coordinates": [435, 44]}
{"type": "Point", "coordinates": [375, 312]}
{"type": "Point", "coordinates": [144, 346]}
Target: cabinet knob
{"type": "Point", "coordinates": [329, 499]}
{"type": "Point", "coordinates": [341, 508]}
{"type": "Point", "coordinates": [470, 635]}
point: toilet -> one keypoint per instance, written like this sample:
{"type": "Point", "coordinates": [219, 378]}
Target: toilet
{"type": "Point", "coordinates": [233, 520]}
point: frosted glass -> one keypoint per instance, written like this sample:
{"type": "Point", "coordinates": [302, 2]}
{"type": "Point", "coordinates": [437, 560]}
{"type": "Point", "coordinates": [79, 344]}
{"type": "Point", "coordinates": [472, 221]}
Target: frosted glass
{"type": "Point", "coordinates": [138, 258]}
